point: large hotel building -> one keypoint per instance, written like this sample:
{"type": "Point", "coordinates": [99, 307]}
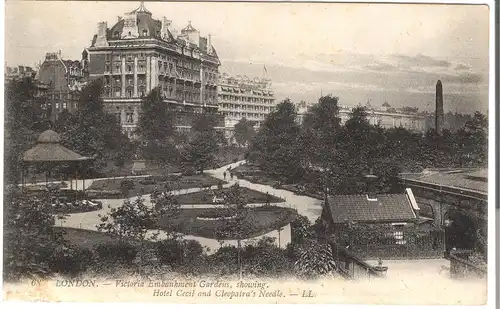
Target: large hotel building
{"type": "Point", "coordinates": [140, 53]}
{"type": "Point", "coordinates": [246, 97]}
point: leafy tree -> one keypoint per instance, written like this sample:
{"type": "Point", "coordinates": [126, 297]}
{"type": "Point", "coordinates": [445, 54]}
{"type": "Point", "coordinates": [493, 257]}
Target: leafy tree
{"type": "Point", "coordinates": [238, 224]}
{"type": "Point", "coordinates": [23, 115]}
{"type": "Point", "coordinates": [320, 129]}
{"type": "Point", "coordinates": [156, 128]}
{"type": "Point", "coordinates": [200, 152]}
{"type": "Point", "coordinates": [244, 132]}
{"type": "Point", "coordinates": [93, 132]}
{"type": "Point", "coordinates": [203, 146]}
{"type": "Point", "coordinates": [30, 241]}
{"type": "Point", "coordinates": [316, 259]}
{"type": "Point", "coordinates": [275, 146]}
{"type": "Point", "coordinates": [301, 229]}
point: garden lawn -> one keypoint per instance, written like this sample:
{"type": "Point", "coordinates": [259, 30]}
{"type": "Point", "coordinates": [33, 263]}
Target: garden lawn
{"type": "Point", "coordinates": [85, 238]}
{"type": "Point", "coordinates": [206, 197]}
{"type": "Point", "coordinates": [141, 186]}
{"type": "Point", "coordinates": [259, 221]}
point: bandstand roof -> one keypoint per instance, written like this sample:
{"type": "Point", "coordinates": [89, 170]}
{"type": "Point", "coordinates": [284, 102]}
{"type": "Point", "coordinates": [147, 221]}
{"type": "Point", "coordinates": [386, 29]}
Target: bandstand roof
{"type": "Point", "coordinates": [49, 149]}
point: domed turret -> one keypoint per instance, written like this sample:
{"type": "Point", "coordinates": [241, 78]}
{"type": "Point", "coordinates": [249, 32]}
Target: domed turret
{"type": "Point", "coordinates": [49, 136]}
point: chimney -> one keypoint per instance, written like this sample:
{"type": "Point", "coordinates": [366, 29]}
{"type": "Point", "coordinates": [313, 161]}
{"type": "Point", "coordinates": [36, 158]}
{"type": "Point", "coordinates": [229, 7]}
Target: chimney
{"type": "Point", "coordinates": [370, 186]}
{"type": "Point", "coordinates": [119, 18]}
{"type": "Point", "coordinates": [439, 107]}
{"type": "Point", "coordinates": [102, 40]}
{"type": "Point", "coordinates": [165, 27]}
{"type": "Point", "coordinates": [209, 44]}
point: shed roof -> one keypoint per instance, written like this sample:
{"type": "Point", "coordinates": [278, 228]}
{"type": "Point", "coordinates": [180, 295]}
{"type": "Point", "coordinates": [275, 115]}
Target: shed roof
{"type": "Point", "coordinates": [358, 208]}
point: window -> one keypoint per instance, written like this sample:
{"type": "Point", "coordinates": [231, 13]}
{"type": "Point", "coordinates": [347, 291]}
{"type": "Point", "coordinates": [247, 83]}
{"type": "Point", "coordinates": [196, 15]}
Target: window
{"type": "Point", "coordinates": [399, 237]}
{"type": "Point", "coordinates": [57, 105]}
{"type": "Point", "coordinates": [130, 92]}
{"type": "Point", "coordinates": [106, 68]}
{"type": "Point", "coordinates": [130, 117]}
{"type": "Point", "coordinates": [129, 68]}
{"type": "Point", "coordinates": [144, 32]}
{"type": "Point", "coordinates": [65, 105]}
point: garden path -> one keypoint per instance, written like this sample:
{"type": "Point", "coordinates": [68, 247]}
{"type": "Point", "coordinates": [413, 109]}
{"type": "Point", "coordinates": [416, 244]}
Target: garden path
{"type": "Point", "coordinates": [305, 205]}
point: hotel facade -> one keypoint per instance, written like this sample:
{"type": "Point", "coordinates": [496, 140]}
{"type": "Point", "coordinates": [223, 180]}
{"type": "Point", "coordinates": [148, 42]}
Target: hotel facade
{"type": "Point", "coordinates": [246, 97]}
{"type": "Point", "coordinates": [140, 53]}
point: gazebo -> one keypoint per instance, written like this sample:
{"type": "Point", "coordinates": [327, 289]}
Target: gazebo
{"type": "Point", "coordinates": [49, 153]}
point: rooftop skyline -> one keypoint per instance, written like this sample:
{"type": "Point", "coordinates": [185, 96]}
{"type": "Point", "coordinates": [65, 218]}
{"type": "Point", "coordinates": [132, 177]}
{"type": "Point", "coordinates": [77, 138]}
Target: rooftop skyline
{"type": "Point", "coordinates": [383, 52]}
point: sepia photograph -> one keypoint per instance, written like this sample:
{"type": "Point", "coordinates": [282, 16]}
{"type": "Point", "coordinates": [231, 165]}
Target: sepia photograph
{"type": "Point", "coordinates": [248, 152]}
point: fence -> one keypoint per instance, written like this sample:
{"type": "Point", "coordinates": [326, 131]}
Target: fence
{"type": "Point", "coordinates": [408, 243]}
{"type": "Point", "coordinates": [461, 265]}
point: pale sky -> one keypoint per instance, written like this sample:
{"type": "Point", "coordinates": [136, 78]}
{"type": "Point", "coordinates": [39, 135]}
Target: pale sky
{"type": "Point", "coordinates": [383, 52]}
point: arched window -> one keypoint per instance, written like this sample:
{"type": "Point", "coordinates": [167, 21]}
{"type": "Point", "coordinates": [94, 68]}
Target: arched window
{"type": "Point", "coordinates": [130, 92]}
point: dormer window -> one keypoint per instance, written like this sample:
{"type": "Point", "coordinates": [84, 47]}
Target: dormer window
{"type": "Point", "coordinates": [144, 32]}
{"type": "Point", "coordinates": [129, 33]}
{"type": "Point", "coordinates": [116, 34]}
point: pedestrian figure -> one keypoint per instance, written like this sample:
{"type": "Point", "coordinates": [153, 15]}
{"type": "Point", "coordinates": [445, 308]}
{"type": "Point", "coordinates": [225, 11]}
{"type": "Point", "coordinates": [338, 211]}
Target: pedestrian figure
{"type": "Point", "coordinates": [224, 175]}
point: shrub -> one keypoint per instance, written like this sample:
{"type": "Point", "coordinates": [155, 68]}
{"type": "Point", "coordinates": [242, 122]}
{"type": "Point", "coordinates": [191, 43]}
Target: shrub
{"type": "Point", "coordinates": [126, 185]}
{"type": "Point", "coordinates": [120, 252]}
{"type": "Point", "coordinates": [169, 252]}
{"type": "Point", "coordinates": [71, 261]}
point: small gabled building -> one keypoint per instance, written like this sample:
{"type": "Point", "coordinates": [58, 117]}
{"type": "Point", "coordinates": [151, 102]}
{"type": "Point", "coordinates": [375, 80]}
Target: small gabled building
{"type": "Point", "coordinates": [382, 226]}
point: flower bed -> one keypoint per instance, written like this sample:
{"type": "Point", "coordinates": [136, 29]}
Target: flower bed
{"type": "Point", "coordinates": [207, 197]}
{"type": "Point", "coordinates": [257, 221]}
{"type": "Point", "coordinates": [78, 206]}
{"type": "Point", "coordinates": [126, 187]}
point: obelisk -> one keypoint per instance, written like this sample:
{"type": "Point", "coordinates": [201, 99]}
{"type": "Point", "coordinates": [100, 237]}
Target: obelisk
{"type": "Point", "coordinates": [439, 107]}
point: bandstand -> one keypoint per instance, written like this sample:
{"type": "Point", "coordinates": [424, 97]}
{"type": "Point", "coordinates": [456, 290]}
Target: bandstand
{"type": "Point", "coordinates": [47, 154]}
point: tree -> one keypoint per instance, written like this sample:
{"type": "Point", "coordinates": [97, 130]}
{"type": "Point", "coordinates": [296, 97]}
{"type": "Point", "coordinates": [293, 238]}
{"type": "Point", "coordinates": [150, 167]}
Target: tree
{"type": "Point", "coordinates": [235, 222]}
{"type": "Point", "coordinates": [244, 132]}
{"type": "Point", "coordinates": [30, 240]}
{"type": "Point", "coordinates": [201, 149]}
{"type": "Point", "coordinates": [156, 128]}
{"type": "Point", "coordinates": [316, 259]}
{"type": "Point", "coordinates": [200, 152]}
{"type": "Point", "coordinates": [93, 132]}
{"type": "Point", "coordinates": [23, 115]}
{"type": "Point", "coordinates": [275, 147]}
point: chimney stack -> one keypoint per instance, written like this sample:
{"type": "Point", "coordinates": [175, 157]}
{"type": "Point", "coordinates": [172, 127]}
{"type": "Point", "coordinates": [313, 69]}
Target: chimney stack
{"type": "Point", "coordinates": [439, 107]}
{"type": "Point", "coordinates": [102, 39]}
{"type": "Point", "coordinates": [370, 186]}
{"type": "Point", "coordinates": [209, 44]}
{"type": "Point", "coordinates": [165, 27]}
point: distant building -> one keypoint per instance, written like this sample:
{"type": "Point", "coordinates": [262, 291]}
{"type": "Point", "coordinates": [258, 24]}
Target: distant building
{"type": "Point", "coordinates": [63, 79]}
{"type": "Point", "coordinates": [384, 116]}
{"type": "Point", "coordinates": [18, 72]}
{"type": "Point", "coordinates": [139, 53]}
{"type": "Point", "coordinates": [246, 97]}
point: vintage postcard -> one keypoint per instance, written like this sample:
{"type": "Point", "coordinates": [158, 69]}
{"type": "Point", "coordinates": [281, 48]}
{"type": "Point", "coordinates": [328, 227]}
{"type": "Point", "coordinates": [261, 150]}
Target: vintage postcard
{"type": "Point", "coordinates": [248, 152]}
